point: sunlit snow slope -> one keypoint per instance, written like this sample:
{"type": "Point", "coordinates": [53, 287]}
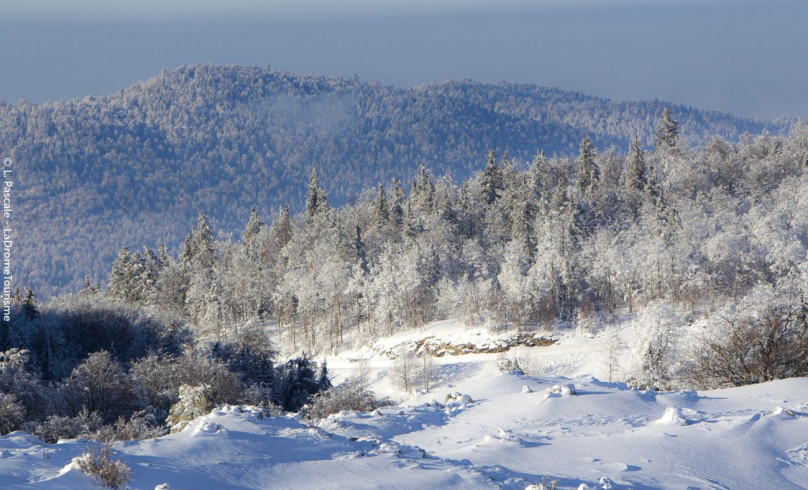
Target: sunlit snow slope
{"type": "Point", "coordinates": [515, 432]}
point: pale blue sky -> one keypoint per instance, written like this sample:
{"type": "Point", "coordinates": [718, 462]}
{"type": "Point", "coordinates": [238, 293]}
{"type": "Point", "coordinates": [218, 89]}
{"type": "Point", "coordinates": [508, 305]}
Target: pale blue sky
{"type": "Point", "coordinates": [742, 56]}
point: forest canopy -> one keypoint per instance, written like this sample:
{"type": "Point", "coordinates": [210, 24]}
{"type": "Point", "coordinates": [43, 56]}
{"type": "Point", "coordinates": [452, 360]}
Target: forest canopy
{"type": "Point", "coordinates": [136, 166]}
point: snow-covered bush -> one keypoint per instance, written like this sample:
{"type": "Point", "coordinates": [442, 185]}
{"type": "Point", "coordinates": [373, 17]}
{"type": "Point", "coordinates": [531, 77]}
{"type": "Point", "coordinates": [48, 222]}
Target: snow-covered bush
{"type": "Point", "coordinates": [29, 395]}
{"type": "Point", "coordinates": [194, 401]}
{"type": "Point", "coordinates": [11, 413]}
{"type": "Point", "coordinates": [655, 350]}
{"type": "Point", "coordinates": [100, 385]}
{"type": "Point", "coordinates": [509, 365]}
{"type": "Point", "coordinates": [563, 390]}
{"type": "Point", "coordinates": [348, 396]}
{"type": "Point", "coordinates": [160, 378]}
{"type": "Point", "coordinates": [259, 395]}
{"type": "Point", "coordinates": [548, 485]}
{"type": "Point", "coordinates": [141, 425]}
{"type": "Point", "coordinates": [86, 425]}
{"type": "Point", "coordinates": [100, 464]}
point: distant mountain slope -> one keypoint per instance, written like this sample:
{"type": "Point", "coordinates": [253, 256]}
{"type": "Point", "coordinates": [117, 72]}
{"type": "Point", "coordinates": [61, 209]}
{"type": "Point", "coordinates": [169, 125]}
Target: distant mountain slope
{"type": "Point", "coordinates": [135, 166]}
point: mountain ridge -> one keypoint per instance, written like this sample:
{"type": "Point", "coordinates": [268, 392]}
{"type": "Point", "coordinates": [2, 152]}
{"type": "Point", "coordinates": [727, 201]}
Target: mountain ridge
{"type": "Point", "coordinates": [137, 165]}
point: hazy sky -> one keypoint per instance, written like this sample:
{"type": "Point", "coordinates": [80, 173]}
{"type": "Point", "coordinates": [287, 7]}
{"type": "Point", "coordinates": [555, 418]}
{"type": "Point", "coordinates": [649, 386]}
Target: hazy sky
{"type": "Point", "coordinates": [741, 56]}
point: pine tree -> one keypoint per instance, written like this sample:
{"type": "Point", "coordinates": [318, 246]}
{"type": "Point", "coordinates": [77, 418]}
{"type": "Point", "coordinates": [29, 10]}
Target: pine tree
{"type": "Point", "coordinates": [667, 134]}
{"type": "Point", "coordinates": [323, 381]}
{"type": "Point", "coordinates": [447, 213]}
{"type": "Point", "coordinates": [381, 214]}
{"type": "Point", "coordinates": [296, 384]}
{"type": "Point", "coordinates": [666, 216]}
{"type": "Point", "coordinates": [316, 200]}
{"type": "Point", "coordinates": [152, 267]}
{"type": "Point", "coordinates": [126, 281]}
{"type": "Point", "coordinates": [634, 175]}
{"type": "Point", "coordinates": [252, 230]}
{"type": "Point", "coordinates": [538, 174]}
{"type": "Point", "coordinates": [588, 171]}
{"type": "Point", "coordinates": [361, 252]}
{"type": "Point", "coordinates": [492, 184]}
{"type": "Point", "coordinates": [560, 197]}
{"type": "Point", "coordinates": [508, 171]}
{"type": "Point", "coordinates": [396, 204]}
{"type": "Point", "coordinates": [89, 288]}
{"type": "Point", "coordinates": [423, 190]}
{"type": "Point", "coordinates": [251, 234]}
{"type": "Point", "coordinates": [282, 227]}
{"type": "Point", "coordinates": [521, 216]}
{"type": "Point", "coordinates": [205, 247]}
{"type": "Point", "coordinates": [164, 258]}
{"type": "Point", "coordinates": [199, 249]}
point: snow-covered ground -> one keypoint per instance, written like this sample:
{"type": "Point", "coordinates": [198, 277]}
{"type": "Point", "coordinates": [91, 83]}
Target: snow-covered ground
{"type": "Point", "coordinates": [515, 432]}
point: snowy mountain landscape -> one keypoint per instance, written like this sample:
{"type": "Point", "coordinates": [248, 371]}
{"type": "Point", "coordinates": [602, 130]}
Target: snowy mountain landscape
{"type": "Point", "coordinates": [402, 245]}
{"type": "Point", "coordinates": [135, 167]}
{"type": "Point", "coordinates": [605, 321]}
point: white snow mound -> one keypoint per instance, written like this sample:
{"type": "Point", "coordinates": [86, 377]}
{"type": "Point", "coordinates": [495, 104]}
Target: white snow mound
{"type": "Point", "coordinates": [784, 412]}
{"type": "Point", "coordinates": [672, 416]}
{"type": "Point", "coordinates": [563, 390]}
{"type": "Point", "coordinates": [458, 398]}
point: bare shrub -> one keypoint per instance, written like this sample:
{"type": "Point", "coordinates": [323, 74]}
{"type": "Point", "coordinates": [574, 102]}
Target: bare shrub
{"type": "Point", "coordinates": [101, 465]}
{"type": "Point", "coordinates": [404, 371]}
{"type": "Point", "coordinates": [141, 425]}
{"type": "Point", "coordinates": [753, 346]}
{"type": "Point", "coordinates": [86, 424]}
{"type": "Point", "coordinates": [348, 396]}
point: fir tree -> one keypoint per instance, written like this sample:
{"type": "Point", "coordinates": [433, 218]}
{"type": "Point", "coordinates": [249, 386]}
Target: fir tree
{"type": "Point", "coordinates": [251, 234]}
{"type": "Point", "coordinates": [588, 171]}
{"type": "Point", "coordinates": [205, 253]}
{"type": "Point", "coordinates": [89, 288]}
{"type": "Point", "coordinates": [164, 258]}
{"type": "Point", "coordinates": [152, 266]}
{"type": "Point", "coordinates": [521, 216]}
{"type": "Point", "coordinates": [323, 381]}
{"type": "Point", "coordinates": [360, 250]}
{"type": "Point", "coordinates": [634, 175]}
{"type": "Point", "coordinates": [423, 189]}
{"type": "Point", "coordinates": [296, 384]}
{"type": "Point", "coordinates": [560, 197]}
{"type": "Point", "coordinates": [126, 281]}
{"type": "Point", "coordinates": [199, 249]}
{"type": "Point", "coordinates": [667, 134]}
{"type": "Point", "coordinates": [492, 184]}
{"type": "Point", "coordinates": [381, 214]}
{"type": "Point", "coordinates": [538, 173]}
{"type": "Point", "coordinates": [316, 199]}
{"type": "Point", "coordinates": [447, 213]}
{"type": "Point", "coordinates": [253, 229]}
{"type": "Point", "coordinates": [396, 204]}
{"type": "Point", "coordinates": [282, 227]}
